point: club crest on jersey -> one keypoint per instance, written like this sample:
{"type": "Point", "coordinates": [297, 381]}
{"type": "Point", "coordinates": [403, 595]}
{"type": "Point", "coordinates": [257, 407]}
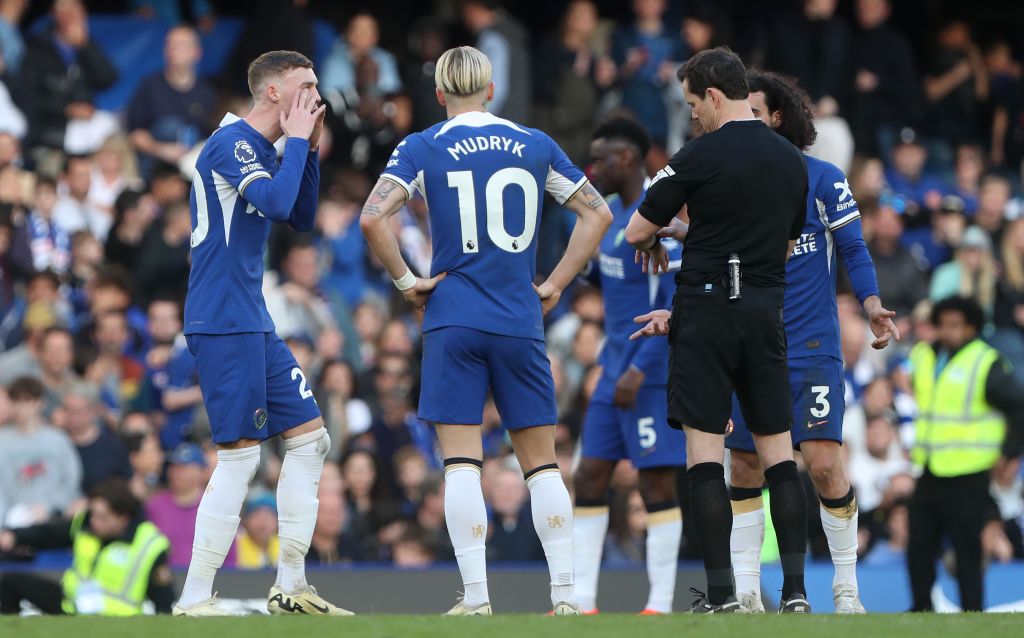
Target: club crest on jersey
{"type": "Point", "coordinates": [259, 418]}
{"type": "Point", "coordinates": [244, 152]}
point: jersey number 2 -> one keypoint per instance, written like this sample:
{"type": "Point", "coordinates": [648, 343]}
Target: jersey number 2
{"type": "Point", "coordinates": [304, 391]}
{"type": "Point", "coordinates": [494, 191]}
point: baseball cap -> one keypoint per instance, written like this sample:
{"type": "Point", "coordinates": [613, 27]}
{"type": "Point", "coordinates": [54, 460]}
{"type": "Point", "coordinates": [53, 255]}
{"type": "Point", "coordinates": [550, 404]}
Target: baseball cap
{"type": "Point", "coordinates": [975, 237]}
{"type": "Point", "coordinates": [261, 501]}
{"type": "Point", "coordinates": [952, 204]}
{"type": "Point", "coordinates": [909, 136]}
{"type": "Point", "coordinates": [188, 454]}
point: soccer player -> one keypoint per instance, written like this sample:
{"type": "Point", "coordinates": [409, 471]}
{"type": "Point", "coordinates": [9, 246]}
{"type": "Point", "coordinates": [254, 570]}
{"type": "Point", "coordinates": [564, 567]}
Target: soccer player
{"type": "Point", "coordinates": [815, 364]}
{"type": "Point", "coordinates": [250, 382]}
{"type": "Point", "coordinates": [627, 415]}
{"type": "Point", "coordinates": [483, 179]}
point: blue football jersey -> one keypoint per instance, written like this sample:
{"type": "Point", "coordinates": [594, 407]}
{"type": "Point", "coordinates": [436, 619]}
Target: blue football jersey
{"type": "Point", "coordinates": [483, 179]}
{"type": "Point", "coordinates": [627, 292]}
{"type": "Point", "coordinates": [229, 230]}
{"type": "Point", "coordinates": [832, 224]}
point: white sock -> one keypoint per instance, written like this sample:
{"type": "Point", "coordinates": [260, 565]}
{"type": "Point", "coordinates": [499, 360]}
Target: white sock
{"type": "Point", "coordinates": [553, 520]}
{"type": "Point", "coordinates": [466, 517]}
{"type": "Point", "coordinates": [841, 531]}
{"type": "Point", "coordinates": [745, 544]}
{"type": "Point", "coordinates": [297, 505]}
{"type": "Point", "coordinates": [589, 528]}
{"type": "Point", "coordinates": [217, 520]}
{"type": "Point", "coordinates": [664, 531]}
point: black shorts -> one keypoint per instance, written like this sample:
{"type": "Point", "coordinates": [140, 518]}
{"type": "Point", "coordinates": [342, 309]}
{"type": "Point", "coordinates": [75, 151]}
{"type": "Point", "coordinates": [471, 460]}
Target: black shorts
{"type": "Point", "coordinates": [718, 346]}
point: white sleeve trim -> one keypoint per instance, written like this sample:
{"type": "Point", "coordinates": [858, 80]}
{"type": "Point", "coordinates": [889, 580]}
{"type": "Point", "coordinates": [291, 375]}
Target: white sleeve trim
{"type": "Point", "coordinates": [561, 187]}
{"type": "Point", "coordinates": [675, 265]}
{"type": "Point", "coordinates": [409, 188]}
{"type": "Point", "coordinates": [248, 179]}
{"type": "Point", "coordinates": [842, 221]}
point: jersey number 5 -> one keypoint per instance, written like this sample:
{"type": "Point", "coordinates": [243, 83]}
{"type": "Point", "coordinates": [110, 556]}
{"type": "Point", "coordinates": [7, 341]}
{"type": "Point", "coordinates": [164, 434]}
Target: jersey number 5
{"type": "Point", "coordinates": [494, 191]}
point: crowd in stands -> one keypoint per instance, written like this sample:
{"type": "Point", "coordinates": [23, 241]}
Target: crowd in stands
{"type": "Point", "coordinates": [97, 380]}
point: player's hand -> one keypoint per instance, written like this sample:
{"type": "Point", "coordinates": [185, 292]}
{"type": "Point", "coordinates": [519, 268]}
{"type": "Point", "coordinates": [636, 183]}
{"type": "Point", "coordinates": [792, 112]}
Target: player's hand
{"type": "Point", "coordinates": [882, 325]}
{"type": "Point", "coordinates": [676, 230]}
{"type": "Point", "coordinates": [549, 295]}
{"type": "Point", "coordinates": [302, 118]}
{"type": "Point", "coordinates": [417, 295]}
{"type": "Point", "coordinates": [318, 128]}
{"type": "Point", "coordinates": [657, 324]}
{"type": "Point", "coordinates": [627, 388]}
{"type": "Point", "coordinates": [654, 260]}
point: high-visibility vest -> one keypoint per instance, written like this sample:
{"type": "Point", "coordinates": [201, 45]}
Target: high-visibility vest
{"type": "Point", "coordinates": [116, 575]}
{"type": "Point", "coordinates": [957, 431]}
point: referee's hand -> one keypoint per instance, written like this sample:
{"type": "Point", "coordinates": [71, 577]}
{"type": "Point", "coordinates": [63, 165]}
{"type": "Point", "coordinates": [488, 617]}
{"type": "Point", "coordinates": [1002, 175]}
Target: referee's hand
{"type": "Point", "coordinates": [654, 260]}
{"type": "Point", "coordinates": [657, 324]}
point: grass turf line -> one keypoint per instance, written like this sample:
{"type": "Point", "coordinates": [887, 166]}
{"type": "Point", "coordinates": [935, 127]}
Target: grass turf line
{"type": "Point", "coordinates": [516, 625]}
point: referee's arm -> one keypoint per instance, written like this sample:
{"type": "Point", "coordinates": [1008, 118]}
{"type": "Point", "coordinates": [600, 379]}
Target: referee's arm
{"type": "Point", "coordinates": [664, 200]}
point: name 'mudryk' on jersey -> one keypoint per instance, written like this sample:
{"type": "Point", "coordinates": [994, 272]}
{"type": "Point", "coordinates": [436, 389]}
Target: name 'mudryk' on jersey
{"type": "Point", "coordinates": [832, 225]}
{"type": "Point", "coordinates": [238, 190]}
{"type": "Point", "coordinates": [483, 179]}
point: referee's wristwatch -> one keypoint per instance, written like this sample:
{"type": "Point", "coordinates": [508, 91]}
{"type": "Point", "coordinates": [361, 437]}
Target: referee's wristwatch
{"type": "Point", "coordinates": [654, 242]}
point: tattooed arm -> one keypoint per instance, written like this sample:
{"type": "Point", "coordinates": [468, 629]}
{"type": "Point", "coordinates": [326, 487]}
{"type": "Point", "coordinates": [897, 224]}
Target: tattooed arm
{"type": "Point", "coordinates": [386, 199]}
{"type": "Point", "coordinates": [593, 219]}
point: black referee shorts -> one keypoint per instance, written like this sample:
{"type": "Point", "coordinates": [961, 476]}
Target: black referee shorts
{"type": "Point", "coordinates": [718, 346]}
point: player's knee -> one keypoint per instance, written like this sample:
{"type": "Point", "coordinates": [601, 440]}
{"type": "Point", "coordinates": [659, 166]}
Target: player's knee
{"type": "Point", "coordinates": [658, 485]}
{"type": "Point", "coordinates": [745, 469]}
{"type": "Point", "coordinates": [824, 467]}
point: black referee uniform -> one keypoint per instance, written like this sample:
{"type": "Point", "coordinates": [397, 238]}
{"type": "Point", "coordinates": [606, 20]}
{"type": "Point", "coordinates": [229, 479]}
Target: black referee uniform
{"type": "Point", "coordinates": [745, 188]}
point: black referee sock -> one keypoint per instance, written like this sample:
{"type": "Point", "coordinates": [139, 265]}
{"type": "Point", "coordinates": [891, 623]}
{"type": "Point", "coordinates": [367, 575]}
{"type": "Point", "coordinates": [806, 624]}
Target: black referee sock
{"type": "Point", "coordinates": [711, 516]}
{"type": "Point", "coordinates": [789, 516]}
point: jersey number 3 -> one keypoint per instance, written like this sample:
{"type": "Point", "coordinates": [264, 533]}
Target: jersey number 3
{"type": "Point", "coordinates": [494, 191]}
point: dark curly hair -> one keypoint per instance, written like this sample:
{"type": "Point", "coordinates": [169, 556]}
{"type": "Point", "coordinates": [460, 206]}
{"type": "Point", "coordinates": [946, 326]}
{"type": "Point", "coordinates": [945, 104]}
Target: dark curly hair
{"type": "Point", "coordinates": [784, 95]}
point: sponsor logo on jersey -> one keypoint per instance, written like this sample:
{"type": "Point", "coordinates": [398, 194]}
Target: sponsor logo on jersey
{"type": "Point", "coordinates": [808, 243]}
{"type": "Point", "coordinates": [612, 267]}
{"type": "Point", "coordinates": [620, 237]}
{"type": "Point", "coordinates": [244, 152]}
{"type": "Point", "coordinates": [844, 190]}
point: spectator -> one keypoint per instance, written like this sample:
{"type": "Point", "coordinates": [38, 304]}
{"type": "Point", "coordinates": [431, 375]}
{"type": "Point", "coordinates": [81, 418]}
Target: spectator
{"type": "Point", "coordinates": [102, 453]}
{"type": "Point", "coordinates": [147, 461]}
{"type": "Point", "coordinates": [12, 45]}
{"type": "Point", "coordinates": [50, 243]}
{"type": "Point", "coordinates": [170, 11]}
{"type": "Point", "coordinates": [62, 72]}
{"type": "Point", "coordinates": [506, 44]}
{"type": "Point", "coordinates": [1007, 130]}
{"type": "Point", "coordinates": [345, 414]}
{"type": "Point", "coordinates": [365, 508]}
{"type": "Point", "coordinates": [86, 261]}
{"type": "Point", "coordinates": [118, 375]}
{"type": "Point", "coordinates": [342, 246]}
{"type": "Point", "coordinates": [646, 54]}
{"type": "Point", "coordinates": [258, 544]}
{"type": "Point", "coordinates": [892, 551]}
{"type": "Point", "coordinates": [993, 197]}
{"type": "Point", "coordinates": [627, 530]}
{"type": "Point", "coordinates": [12, 120]}
{"type": "Point", "coordinates": [1009, 306]}
{"type": "Point", "coordinates": [967, 172]}
{"type": "Point", "coordinates": [114, 169]}
{"type": "Point", "coordinates": [74, 211]}
{"type": "Point", "coordinates": [512, 537]}
{"type": "Point", "coordinates": [330, 544]}
{"type": "Point", "coordinates": [56, 356]}
{"type": "Point", "coordinates": [413, 549]}
{"type": "Point", "coordinates": [908, 177]}
{"type": "Point", "coordinates": [338, 71]}
{"type": "Point", "coordinates": [935, 242]}
{"type": "Point", "coordinates": [885, 79]}
{"type": "Point", "coordinates": [972, 273]}
{"type": "Point", "coordinates": [867, 179]}
{"type": "Point", "coordinates": [874, 466]}
{"type": "Point", "coordinates": [813, 46]}
{"type": "Point", "coordinates": [163, 264]}
{"type": "Point", "coordinates": [272, 25]}
{"type": "Point", "coordinates": [167, 186]}
{"type": "Point", "coordinates": [571, 71]}
{"type": "Point", "coordinates": [181, 398]}
{"type": "Point", "coordinates": [40, 474]}
{"type": "Point", "coordinates": [955, 84]}
{"type": "Point", "coordinates": [296, 305]}
{"type": "Point", "coordinates": [134, 213]}
{"type": "Point", "coordinates": [430, 516]}
{"type": "Point", "coordinates": [428, 39]}
{"type": "Point", "coordinates": [410, 473]}
{"type": "Point", "coordinates": [172, 110]}
{"type": "Point", "coordinates": [174, 510]}
{"type": "Point", "coordinates": [39, 315]}
{"type": "Point", "coordinates": [901, 277]}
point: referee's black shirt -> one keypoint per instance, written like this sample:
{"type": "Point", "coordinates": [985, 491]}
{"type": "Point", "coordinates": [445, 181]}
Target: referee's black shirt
{"type": "Point", "coordinates": [746, 191]}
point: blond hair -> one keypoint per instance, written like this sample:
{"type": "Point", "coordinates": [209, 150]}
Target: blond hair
{"type": "Point", "coordinates": [462, 72]}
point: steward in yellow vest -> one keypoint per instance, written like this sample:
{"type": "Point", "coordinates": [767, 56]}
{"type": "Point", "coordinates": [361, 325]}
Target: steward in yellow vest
{"type": "Point", "coordinates": [966, 398]}
{"type": "Point", "coordinates": [118, 561]}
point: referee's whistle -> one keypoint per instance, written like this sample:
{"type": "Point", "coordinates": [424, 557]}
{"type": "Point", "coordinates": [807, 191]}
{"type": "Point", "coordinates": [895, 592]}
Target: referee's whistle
{"type": "Point", "coordinates": [734, 277]}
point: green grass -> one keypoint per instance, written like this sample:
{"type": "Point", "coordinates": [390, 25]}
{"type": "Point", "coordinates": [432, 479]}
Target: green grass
{"type": "Point", "coordinates": [604, 626]}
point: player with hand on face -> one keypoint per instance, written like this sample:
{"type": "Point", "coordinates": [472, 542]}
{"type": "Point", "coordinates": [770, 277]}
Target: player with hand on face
{"type": "Point", "coordinates": [251, 384]}
{"type": "Point", "coordinates": [483, 179]}
{"type": "Point", "coordinates": [626, 417]}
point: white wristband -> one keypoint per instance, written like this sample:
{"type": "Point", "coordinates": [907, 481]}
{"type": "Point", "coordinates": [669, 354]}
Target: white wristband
{"type": "Point", "coordinates": [406, 281]}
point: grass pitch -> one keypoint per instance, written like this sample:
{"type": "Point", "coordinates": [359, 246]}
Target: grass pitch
{"type": "Point", "coordinates": [517, 625]}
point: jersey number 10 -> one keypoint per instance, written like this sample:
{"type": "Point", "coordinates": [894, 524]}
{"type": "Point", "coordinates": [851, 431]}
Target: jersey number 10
{"type": "Point", "coordinates": [494, 191]}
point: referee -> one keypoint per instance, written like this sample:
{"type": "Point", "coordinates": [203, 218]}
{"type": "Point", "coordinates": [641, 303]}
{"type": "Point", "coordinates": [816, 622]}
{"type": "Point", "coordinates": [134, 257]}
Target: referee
{"type": "Point", "coordinates": [745, 188]}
